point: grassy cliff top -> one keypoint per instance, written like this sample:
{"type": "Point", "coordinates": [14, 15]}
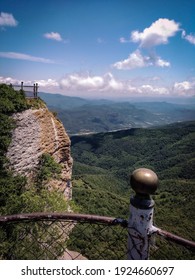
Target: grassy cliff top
{"type": "Point", "coordinates": [35, 103]}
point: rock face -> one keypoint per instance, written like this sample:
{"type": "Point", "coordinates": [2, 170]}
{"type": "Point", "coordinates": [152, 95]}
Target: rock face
{"type": "Point", "coordinates": [37, 132]}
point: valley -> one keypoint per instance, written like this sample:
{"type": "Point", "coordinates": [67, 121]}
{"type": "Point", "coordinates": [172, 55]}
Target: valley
{"type": "Point", "coordinates": [104, 161]}
{"type": "Point", "coordinates": [85, 116]}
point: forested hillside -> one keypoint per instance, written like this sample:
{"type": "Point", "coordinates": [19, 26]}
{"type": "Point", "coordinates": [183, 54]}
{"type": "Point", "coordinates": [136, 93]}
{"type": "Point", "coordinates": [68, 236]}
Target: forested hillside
{"type": "Point", "coordinates": [81, 116]}
{"type": "Point", "coordinates": [17, 193]}
{"type": "Point", "coordinates": [103, 162]}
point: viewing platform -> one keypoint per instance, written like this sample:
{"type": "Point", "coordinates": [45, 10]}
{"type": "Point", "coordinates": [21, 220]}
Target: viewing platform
{"type": "Point", "coordinates": [30, 91]}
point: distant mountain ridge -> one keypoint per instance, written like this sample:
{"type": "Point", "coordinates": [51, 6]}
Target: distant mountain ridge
{"type": "Point", "coordinates": [81, 116]}
{"type": "Point", "coordinates": [69, 102]}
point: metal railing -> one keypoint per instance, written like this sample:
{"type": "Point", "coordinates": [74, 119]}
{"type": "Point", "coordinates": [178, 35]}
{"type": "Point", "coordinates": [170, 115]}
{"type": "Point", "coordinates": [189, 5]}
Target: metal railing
{"type": "Point", "coordinates": [80, 236]}
{"type": "Point", "coordinates": [30, 91]}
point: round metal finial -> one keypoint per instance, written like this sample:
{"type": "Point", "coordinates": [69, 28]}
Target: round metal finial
{"type": "Point", "coordinates": [144, 181]}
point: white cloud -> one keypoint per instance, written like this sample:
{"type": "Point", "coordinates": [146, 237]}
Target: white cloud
{"type": "Point", "coordinates": [186, 88]}
{"type": "Point", "coordinates": [53, 36]}
{"type": "Point", "coordinates": [76, 82]}
{"type": "Point", "coordinates": [106, 85]}
{"type": "Point", "coordinates": [7, 20]}
{"type": "Point", "coordinates": [9, 80]}
{"type": "Point", "coordinates": [151, 90]}
{"type": "Point", "coordinates": [161, 63]}
{"type": "Point", "coordinates": [22, 56]}
{"type": "Point", "coordinates": [137, 60]}
{"type": "Point", "coordinates": [112, 84]}
{"type": "Point", "coordinates": [47, 83]}
{"type": "Point", "coordinates": [158, 33]}
{"type": "Point", "coordinates": [91, 83]}
{"type": "Point", "coordinates": [190, 38]}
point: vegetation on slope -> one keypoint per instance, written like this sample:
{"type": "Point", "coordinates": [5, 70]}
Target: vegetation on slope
{"type": "Point", "coordinates": [16, 196]}
{"type": "Point", "coordinates": [103, 162]}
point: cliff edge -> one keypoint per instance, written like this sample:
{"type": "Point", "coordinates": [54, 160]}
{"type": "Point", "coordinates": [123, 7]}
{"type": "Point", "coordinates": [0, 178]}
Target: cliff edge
{"type": "Point", "coordinates": [39, 132]}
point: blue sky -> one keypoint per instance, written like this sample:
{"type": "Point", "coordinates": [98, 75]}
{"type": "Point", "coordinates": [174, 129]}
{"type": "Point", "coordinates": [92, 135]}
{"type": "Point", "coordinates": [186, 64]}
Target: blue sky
{"type": "Point", "coordinates": [99, 48]}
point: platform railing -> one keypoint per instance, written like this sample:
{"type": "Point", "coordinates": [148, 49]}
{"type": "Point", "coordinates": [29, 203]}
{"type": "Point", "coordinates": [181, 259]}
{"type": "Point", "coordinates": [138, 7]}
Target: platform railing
{"type": "Point", "coordinates": [31, 91]}
{"type": "Point", "coordinates": [83, 236]}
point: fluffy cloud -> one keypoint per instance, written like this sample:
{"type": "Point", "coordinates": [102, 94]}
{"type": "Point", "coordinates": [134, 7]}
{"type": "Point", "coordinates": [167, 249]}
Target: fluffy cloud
{"type": "Point", "coordinates": [137, 60]}
{"type": "Point", "coordinates": [161, 63]}
{"type": "Point", "coordinates": [151, 90]}
{"type": "Point", "coordinates": [158, 33]}
{"type": "Point", "coordinates": [91, 83]}
{"type": "Point", "coordinates": [186, 88]}
{"type": "Point", "coordinates": [49, 83]}
{"type": "Point", "coordinates": [106, 85]}
{"type": "Point", "coordinates": [9, 80]}
{"type": "Point", "coordinates": [22, 56]}
{"type": "Point", "coordinates": [53, 36]}
{"type": "Point", "coordinates": [7, 20]}
{"type": "Point", "coordinates": [190, 38]}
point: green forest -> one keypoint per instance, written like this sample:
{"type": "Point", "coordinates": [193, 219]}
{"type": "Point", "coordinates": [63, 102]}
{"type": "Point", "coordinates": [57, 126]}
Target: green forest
{"type": "Point", "coordinates": [104, 161]}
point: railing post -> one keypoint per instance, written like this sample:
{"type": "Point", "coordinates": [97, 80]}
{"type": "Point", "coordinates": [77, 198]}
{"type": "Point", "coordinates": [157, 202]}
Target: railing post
{"type": "Point", "coordinates": [140, 225]}
{"type": "Point", "coordinates": [36, 90]}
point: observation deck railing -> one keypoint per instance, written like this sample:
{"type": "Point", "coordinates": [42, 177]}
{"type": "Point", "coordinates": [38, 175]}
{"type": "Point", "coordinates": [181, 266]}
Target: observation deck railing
{"type": "Point", "coordinates": [80, 236]}
{"type": "Point", "coordinates": [31, 91]}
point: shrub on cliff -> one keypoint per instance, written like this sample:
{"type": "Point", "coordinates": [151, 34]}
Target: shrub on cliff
{"type": "Point", "coordinates": [11, 101]}
{"type": "Point", "coordinates": [15, 196]}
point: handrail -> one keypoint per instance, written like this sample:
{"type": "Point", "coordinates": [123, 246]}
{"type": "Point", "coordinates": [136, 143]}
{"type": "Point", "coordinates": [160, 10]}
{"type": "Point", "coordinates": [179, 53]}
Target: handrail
{"type": "Point", "coordinates": [89, 218]}
{"type": "Point", "coordinates": [61, 216]}
{"type": "Point", "coordinates": [176, 239]}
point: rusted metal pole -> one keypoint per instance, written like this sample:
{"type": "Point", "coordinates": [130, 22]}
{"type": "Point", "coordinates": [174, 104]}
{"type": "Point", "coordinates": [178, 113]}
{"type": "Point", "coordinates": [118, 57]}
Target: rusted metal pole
{"type": "Point", "coordinates": [140, 225]}
{"type": "Point", "coordinates": [176, 239]}
{"type": "Point", "coordinates": [61, 216]}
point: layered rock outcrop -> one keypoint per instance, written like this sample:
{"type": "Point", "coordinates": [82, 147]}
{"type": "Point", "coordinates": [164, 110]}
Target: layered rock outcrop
{"type": "Point", "coordinates": [39, 131]}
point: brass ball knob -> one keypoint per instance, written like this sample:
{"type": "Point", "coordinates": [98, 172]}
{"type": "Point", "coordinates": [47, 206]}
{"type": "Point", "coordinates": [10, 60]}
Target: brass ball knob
{"type": "Point", "coordinates": [144, 181]}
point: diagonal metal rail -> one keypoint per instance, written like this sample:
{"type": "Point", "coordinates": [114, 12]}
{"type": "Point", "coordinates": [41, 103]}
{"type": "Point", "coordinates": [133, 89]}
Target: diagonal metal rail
{"type": "Point", "coordinates": [62, 216]}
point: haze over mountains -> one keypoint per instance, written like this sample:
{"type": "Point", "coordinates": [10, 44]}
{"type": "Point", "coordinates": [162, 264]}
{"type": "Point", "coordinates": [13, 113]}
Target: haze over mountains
{"type": "Point", "coordinates": [81, 116]}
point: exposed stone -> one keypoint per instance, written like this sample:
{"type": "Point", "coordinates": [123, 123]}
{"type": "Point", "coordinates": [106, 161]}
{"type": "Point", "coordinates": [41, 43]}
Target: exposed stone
{"type": "Point", "coordinates": [38, 132]}
{"type": "Point", "coordinates": [72, 255]}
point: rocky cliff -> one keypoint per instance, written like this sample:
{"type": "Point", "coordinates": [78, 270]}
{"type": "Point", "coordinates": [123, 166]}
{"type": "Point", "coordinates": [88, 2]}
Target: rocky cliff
{"type": "Point", "coordinates": [37, 132]}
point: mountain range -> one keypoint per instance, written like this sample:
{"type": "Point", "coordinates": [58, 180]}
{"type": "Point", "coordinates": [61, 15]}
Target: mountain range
{"type": "Point", "coordinates": [83, 116]}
